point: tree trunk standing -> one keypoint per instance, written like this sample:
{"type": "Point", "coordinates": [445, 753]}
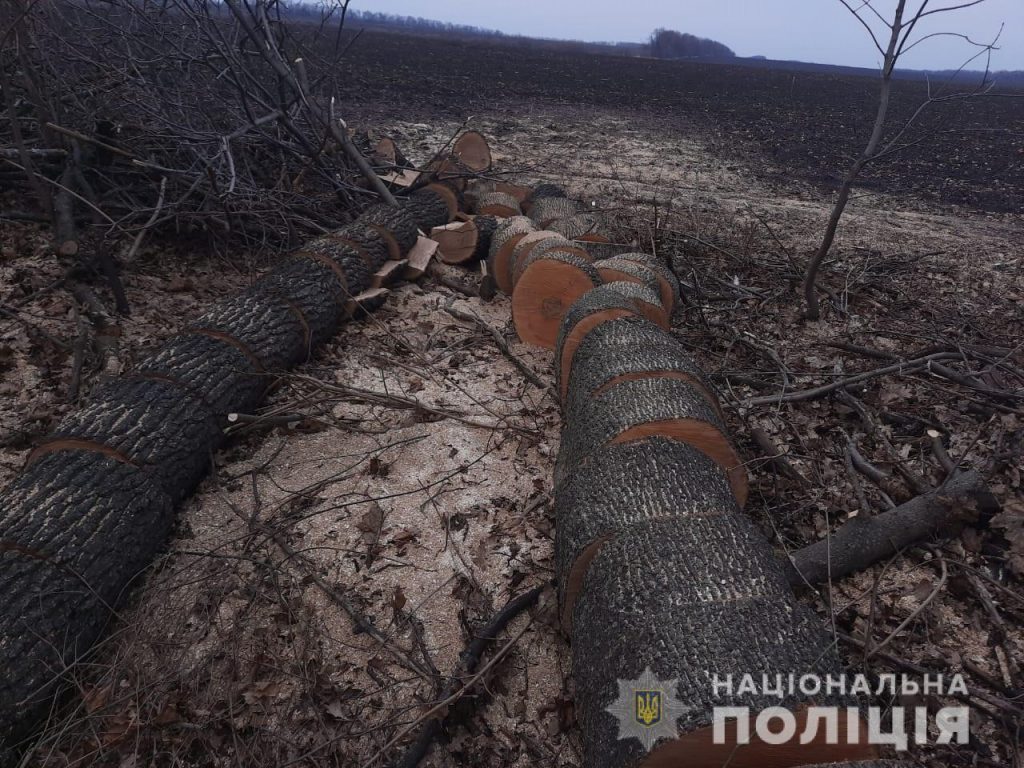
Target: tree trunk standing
{"type": "Point", "coordinates": [889, 64]}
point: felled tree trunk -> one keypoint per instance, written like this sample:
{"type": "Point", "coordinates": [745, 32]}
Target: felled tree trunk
{"type": "Point", "coordinates": [94, 504]}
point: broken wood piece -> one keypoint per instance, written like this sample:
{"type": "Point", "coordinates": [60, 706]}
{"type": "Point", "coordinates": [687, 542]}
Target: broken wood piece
{"type": "Point", "coordinates": [366, 301]}
{"type": "Point", "coordinates": [419, 258]}
{"type": "Point", "coordinates": [389, 273]}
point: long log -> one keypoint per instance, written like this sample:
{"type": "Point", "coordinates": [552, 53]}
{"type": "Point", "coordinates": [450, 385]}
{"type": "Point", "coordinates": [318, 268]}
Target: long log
{"type": "Point", "coordinates": [95, 502]}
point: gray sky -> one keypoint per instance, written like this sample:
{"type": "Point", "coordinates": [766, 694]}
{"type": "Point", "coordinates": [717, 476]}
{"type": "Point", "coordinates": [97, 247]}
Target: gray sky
{"type": "Point", "coordinates": [806, 30]}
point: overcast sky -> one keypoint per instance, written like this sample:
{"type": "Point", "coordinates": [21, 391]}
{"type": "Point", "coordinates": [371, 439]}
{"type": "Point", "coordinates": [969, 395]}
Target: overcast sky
{"type": "Point", "coordinates": [806, 30]}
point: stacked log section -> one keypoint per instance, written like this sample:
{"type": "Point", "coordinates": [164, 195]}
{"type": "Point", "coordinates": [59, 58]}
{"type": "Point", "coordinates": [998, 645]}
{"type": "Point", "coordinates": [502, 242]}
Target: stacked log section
{"type": "Point", "coordinates": [152, 424]}
{"type": "Point", "coordinates": [498, 204]}
{"type": "Point", "coordinates": [313, 289]}
{"type": "Point", "coordinates": [432, 206]}
{"type": "Point", "coordinates": [396, 224]}
{"type": "Point", "coordinates": [633, 410]}
{"type": "Point", "coordinates": [503, 243]}
{"type": "Point", "coordinates": [266, 328]}
{"type": "Point", "coordinates": [472, 152]}
{"type": "Point", "coordinates": [542, 191]}
{"type": "Point", "coordinates": [535, 245]}
{"type": "Point", "coordinates": [647, 301]}
{"type": "Point", "coordinates": [62, 520]}
{"type": "Point", "coordinates": [585, 227]}
{"type": "Point", "coordinates": [550, 209]}
{"type": "Point", "coordinates": [625, 485]}
{"type": "Point", "coordinates": [208, 368]}
{"type": "Point", "coordinates": [375, 245]}
{"type": "Point", "coordinates": [630, 349]}
{"type": "Point", "coordinates": [692, 598]}
{"type": "Point", "coordinates": [615, 270]}
{"type": "Point", "coordinates": [668, 283]}
{"type": "Point", "coordinates": [545, 291]}
{"type": "Point", "coordinates": [594, 308]}
{"type": "Point", "coordinates": [466, 240]}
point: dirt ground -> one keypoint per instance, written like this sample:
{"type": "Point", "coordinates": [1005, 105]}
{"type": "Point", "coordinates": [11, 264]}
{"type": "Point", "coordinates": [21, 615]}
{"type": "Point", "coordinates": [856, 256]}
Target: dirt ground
{"type": "Point", "coordinates": [410, 489]}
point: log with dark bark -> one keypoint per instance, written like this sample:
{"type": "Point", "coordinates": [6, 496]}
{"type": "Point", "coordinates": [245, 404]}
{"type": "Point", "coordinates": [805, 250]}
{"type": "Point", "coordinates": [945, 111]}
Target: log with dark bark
{"type": "Point", "coordinates": [432, 206]}
{"type": "Point", "coordinates": [76, 528]}
{"type": "Point", "coordinates": [633, 410]}
{"type": "Point", "coordinates": [498, 204]}
{"type": "Point", "coordinates": [152, 424]}
{"type": "Point", "coordinates": [627, 349]}
{"type": "Point", "coordinates": [542, 191]}
{"type": "Point", "coordinates": [594, 308]}
{"type": "Point", "coordinates": [466, 241]}
{"type": "Point", "coordinates": [865, 540]}
{"type": "Point", "coordinates": [506, 237]}
{"type": "Point", "coordinates": [544, 293]}
{"type": "Point", "coordinates": [692, 598]}
{"type": "Point", "coordinates": [94, 504]}
{"type": "Point", "coordinates": [586, 227]}
{"type": "Point", "coordinates": [646, 300]}
{"type": "Point", "coordinates": [668, 283]}
{"type": "Point", "coordinates": [535, 245]}
{"type": "Point", "coordinates": [627, 484]}
{"type": "Point", "coordinates": [547, 210]}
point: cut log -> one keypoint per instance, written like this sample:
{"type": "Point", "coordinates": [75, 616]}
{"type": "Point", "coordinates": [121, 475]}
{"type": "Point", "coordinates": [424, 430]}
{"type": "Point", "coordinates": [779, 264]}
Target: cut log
{"type": "Point", "coordinates": [485, 229]}
{"type": "Point", "coordinates": [601, 305]}
{"type": "Point", "coordinates": [156, 425]}
{"type": "Point", "coordinates": [397, 223]}
{"type": "Point", "coordinates": [472, 152]}
{"type": "Point", "coordinates": [550, 209]}
{"type": "Point", "coordinates": [613, 270]}
{"type": "Point", "coordinates": [542, 191]}
{"type": "Point", "coordinates": [498, 204]}
{"type": "Point", "coordinates": [419, 258]}
{"type": "Point", "coordinates": [627, 484]}
{"type": "Point", "coordinates": [265, 327]}
{"type": "Point", "coordinates": [313, 290]}
{"type": "Point", "coordinates": [387, 153]}
{"type": "Point", "coordinates": [633, 410]}
{"type": "Point", "coordinates": [527, 251]}
{"type": "Point", "coordinates": [506, 236]}
{"type": "Point", "coordinates": [208, 368]}
{"type": "Point", "coordinates": [647, 302]}
{"type": "Point", "coordinates": [583, 226]}
{"type": "Point", "coordinates": [456, 242]}
{"type": "Point", "coordinates": [544, 293]}
{"type": "Point", "coordinates": [630, 349]}
{"type": "Point", "coordinates": [374, 243]}
{"type": "Point", "coordinates": [692, 599]}
{"type": "Point", "coordinates": [77, 527]}
{"type": "Point", "coordinates": [432, 206]}
{"type": "Point", "coordinates": [669, 284]}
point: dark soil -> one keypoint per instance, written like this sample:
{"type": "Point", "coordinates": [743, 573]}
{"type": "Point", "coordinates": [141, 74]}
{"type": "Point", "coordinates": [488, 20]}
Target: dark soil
{"type": "Point", "coordinates": [809, 124]}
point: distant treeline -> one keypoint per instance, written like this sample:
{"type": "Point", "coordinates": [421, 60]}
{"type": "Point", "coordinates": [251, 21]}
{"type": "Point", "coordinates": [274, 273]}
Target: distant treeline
{"type": "Point", "coordinates": [669, 44]}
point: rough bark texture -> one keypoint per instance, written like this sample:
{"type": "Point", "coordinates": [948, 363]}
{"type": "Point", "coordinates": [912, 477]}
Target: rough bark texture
{"type": "Point", "coordinates": [536, 250]}
{"type": "Point", "coordinates": [94, 504]}
{"type": "Point", "coordinates": [599, 420]}
{"type": "Point", "coordinates": [545, 292]}
{"type": "Point", "coordinates": [498, 204]}
{"type": "Point", "coordinates": [210, 369]}
{"type": "Point", "coordinates": [265, 325]}
{"type": "Point", "coordinates": [373, 242]}
{"type": "Point", "coordinates": [503, 242]}
{"type": "Point", "coordinates": [485, 228]}
{"type": "Point", "coordinates": [599, 299]}
{"type": "Point", "coordinates": [580, 225]}
{"type": "Point", "coordinates": [630, 345]}
{"type": "Point", "coordinates": [77, 528]}
{"type": "Point", "coordinates": [158, 426]}
{"type": "Point", "coordinates": [550, 209]}
{"type": "Point", "coordinates": [429, 208]}
{"type": "Point", "coordinates": [625, 485]}
{"type": "Point", "coordinates": [862, 541]}
{"type": "Point", "coordinates": [690, 598]}
{"type": "Point", "coordinates": [312, 288]}
{"type": "Point", "coordinates": [670, 284]}
{"type": "Point", "coordinates": [398, 222]}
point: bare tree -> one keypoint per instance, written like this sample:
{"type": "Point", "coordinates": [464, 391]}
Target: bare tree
{"type": "Point", "coordinates": [900, 32]}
